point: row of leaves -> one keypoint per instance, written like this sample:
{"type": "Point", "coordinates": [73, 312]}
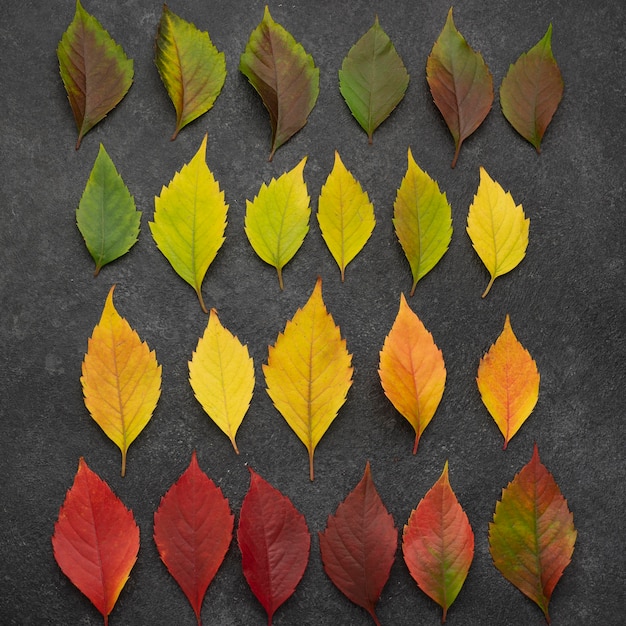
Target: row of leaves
{"type": "Point", "coordinates": [190, 219]}
{"type": "Point", "coordinates": [373, 79]}
{"type": "Point", "coordinates": [308, 375]}
{"type": "Point", "coordinates": [531, 539]}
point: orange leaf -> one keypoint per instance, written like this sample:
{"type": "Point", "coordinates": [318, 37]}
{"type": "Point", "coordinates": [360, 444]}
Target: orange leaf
{"type": "Point", "coordinates": [412, 371]}
{"type": "Point", "coordinates": [508, 382]}
{"type": "Point", "coordinates": [121, 379]}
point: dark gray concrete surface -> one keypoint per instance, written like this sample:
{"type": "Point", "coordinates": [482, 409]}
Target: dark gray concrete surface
{"type": "Point", "coordinates": [566, 302]}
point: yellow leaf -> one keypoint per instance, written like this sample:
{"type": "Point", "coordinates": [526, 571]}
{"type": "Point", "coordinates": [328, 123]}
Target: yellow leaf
{"type": "Point", "coordinates": [309, 372]}
{"type": "Point", "coordinates": [508, 382]}
{"type": "Point", "coordinates": [121, 379]}
{"type": "Point", "coordinates": [497, 227]}
{"type": "Point", "coordinates": [345, 215]}
{"type": "Point", "coordinates": [411, 370]}
{"type": "Point", "coordinates": [221, 374]}
{"type": "Point", "coordinates": [190, 220]}
{"type": "Point", "coordinates": [277, 220]}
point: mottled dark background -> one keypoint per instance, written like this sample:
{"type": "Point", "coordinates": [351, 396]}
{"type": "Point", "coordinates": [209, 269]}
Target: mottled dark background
{"type": "Point", "coordinates": [566, 302]}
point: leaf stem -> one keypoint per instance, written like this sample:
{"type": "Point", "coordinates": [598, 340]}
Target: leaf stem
{"type": "Point", "coordinates": [456, 154]}
{"type": "Point", "coordinates": [311, 472]}
{"type": "Point", "coordinates": [280, 277]}
{"type": "Point", "coordinates": [199, 292]}
{"type": "Point", "coordinates": [488, 287]}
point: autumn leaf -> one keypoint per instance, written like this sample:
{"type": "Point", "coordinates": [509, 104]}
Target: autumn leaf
{"type": "Point", "coordinates": [497, 227]}
{"type": "Point", "coordinates": [95, 71]}
{"type": "Point", "coordinates": [284, 75]}
{"type": "Point", "coordinates": [275, 543]}
{"type": "Point", "coordinates": [221, 374]}
{"type": "Point", "coordinates": [193, 528]}
{"type": "Point", "coordinates": [359, 544]}
{"type": "Point", "coordinates": [532, 536]}
{"type": "Point", "coordinates": [309, 372]}
{"type": "Point", "coordinates": [411, 370]}
{"type": "Point", "coordinates": [372, 79]}
{"type": "Point", "coordinates": [345, 215]}
{"type": "Point", "coordinates": [191, 67]}
{"type": "Point", "coordinates": [460, 83]}
{"type": "Point", "coordinates": [95, 540]}
{"type": "Point", "coordinates": [277, 220]}
{"type": "Point", "coordinates": [190, 221]}
{"type": "Point", "coordinates": [422, 218]}
{"type": "Point", "coordinates": [508, 382]}
{"type": "Point", "coordinates": [531, 91]}
{"type": "Point", "coordinates": [121, 379]}
{"type": "Point", "coordinates": [438, 544]}
{"type": "Point", "coordinates": [106, 216]}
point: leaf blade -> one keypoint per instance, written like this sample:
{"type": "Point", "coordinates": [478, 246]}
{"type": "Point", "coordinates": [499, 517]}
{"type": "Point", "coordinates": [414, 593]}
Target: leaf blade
{"type": "Point", "coordinates": [460, 83]}
{"type": "Point", "coordinates": [373, 79]}
{"type": "Point", "coordinates": [532, 536]}
{"type": "Point", "coordinates": [190, 221]}
{"type": "Point", "coordinates": [345, 215]}
{"type": "Point", "coordinates": [284, 75]}
{"type": "Point", "coordinates": [193, 529]}
{"type": "Point", "coordinates": [508, 381]}
{"type": "Point", "coordinates": [422, 219]}
{"type": "Point", "coordinates": [95, 540]}
{"type": "Point", "coordinates": [192, 69]}
{"type": "Point", "coordinates": [438, 544]}
{"type": "Point", "coordinates": [221, 374]}
{"type": "Point", "coordinates": [275, 543]}
{"type": "Point", "coordinates": [309, 372]}
{"type": "Point", "coordinates": [96, 72]}
{"type": "Point", "coordinates": [531, 91]}
{"type": "Point", "coordinates": [121, 379]}
{"type": "Point", "coordinates": [358, 545]}
{"type": "Point", "coordinates": [107, 216]}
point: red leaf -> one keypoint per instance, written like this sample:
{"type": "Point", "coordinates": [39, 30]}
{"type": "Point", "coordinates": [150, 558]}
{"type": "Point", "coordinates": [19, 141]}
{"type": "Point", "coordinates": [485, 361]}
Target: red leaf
{"type": "Point", "coordinates": [438, 544]}
{"type": "Point", "coordinates": [95, 540]}
{"type": "Point", "coordinates": [359, 545]}
{"type": "Point", "coordinates": [193, 528]}
{"type": "Point", "coordinates": [274, 541]}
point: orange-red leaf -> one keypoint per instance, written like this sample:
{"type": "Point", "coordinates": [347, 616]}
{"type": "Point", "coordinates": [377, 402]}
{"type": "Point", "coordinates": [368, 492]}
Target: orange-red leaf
{"type": "Point", "coordinates": [532, 536]}
{"type": "Point", "coordinates": [274, 541]}
{"type": "Point", "coordinates": [438, 544]}
{"type": "Point", "coordinates": [95, 540]}
{"type": "Point", "coordinates": [508, 382]}
{"type": "Point", "coordinates": [193, 528]}
{"type": "Point", "coordinates": [412, 371]}
{"type": "Point", "coordinates": [359, 545]}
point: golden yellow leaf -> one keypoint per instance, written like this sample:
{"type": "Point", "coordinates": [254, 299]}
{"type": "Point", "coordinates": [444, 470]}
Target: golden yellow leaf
{"type": "Point", "coordinates": [345, 215]}
{"type": "Point", "coordinates": [508, 382]}
{"type": "Point", "coordinates": [121, 379]}
{"type": "Point", "coordinates": [411, 370]}
{"type": "Point", "coordinates": [497, 227]}
{"type": "Point", "coordinates": [221, 374]}
{"type": "Point", "coordinates": [309, 372]}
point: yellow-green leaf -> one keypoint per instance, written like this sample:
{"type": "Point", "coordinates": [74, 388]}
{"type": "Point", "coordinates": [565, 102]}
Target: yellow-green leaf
{"type": "Point", "coordinates": [190, 220]}
{"type": "Point", "coordinates": [121, 379]}
{"type": "Point", "coordinates": [277, 220]}
{"type": "Point", "coordinates": [422, 218]}
{"type": "Point", "coordinates": [345, 215]}
{"type": "Point", "coordinates": [221, 374]}
{"type": "Point", "coordinates": [309, 372]}
{"type": "Point", "coordinates": [497, 227]}
{"type": "Point", "coordinates": [191, 67]}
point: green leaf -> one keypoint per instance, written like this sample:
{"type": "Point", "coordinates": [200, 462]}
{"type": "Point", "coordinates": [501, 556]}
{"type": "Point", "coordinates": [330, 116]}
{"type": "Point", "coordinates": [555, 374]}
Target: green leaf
{"type": "Point", "coordinates": [277, 220]}
{"type": "Point", "coordinates": [95, 71]}
{"type": "Point", "coordinates": [284, 75]}
{"type": "Point", "coordinates": [191, 67]}
{"type": "Point", "coordinates": [106, 216]}
{"type": "Point", "coordinates": [190, 220]}
{"type": "Point", "coordinates": [422, 218]}
{"type": "Point", "coordinates": [372, 79]}
{"type": "Point", "coordinates": [460, 82]}
{"type": "Point", "coordinates": [531, 91]}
